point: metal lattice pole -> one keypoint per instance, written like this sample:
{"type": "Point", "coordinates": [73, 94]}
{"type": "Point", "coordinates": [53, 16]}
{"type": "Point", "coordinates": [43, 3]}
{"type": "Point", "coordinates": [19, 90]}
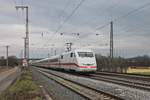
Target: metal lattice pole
{"type": "Point", "coordinates": [7, 55]}
{"type": "Point", "coordinates": [26, 45]}
{"type": "Point", "coordinates": [111, 46]}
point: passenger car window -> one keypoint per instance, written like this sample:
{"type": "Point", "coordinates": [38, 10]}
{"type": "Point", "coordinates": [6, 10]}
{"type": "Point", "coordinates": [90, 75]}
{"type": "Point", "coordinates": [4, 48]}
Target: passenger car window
{"type": "Point", "coordinates": [54, 60]}
{"type": "Point", "coordinates": [71, 54]}
{"type": "Point", "coordinates": [61, 56]}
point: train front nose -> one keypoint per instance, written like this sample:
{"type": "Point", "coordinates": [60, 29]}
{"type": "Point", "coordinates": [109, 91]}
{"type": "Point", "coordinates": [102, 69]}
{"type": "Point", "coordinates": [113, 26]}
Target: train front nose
{"type": "Point", "coordinates": [86, 61]}
{"type": "Point", "coordinates": [87, 65]}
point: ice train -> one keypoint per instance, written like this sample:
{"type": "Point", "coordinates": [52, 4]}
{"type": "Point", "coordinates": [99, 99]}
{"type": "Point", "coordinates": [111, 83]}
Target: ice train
{"type": "Point", "coordinates": [80, 60]}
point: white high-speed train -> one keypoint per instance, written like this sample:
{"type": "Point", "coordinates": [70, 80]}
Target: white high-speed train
{"type": "Point", "coordinates": [81, 60]}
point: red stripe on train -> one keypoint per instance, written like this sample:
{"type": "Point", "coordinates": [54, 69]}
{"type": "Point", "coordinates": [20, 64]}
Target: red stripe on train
{"type": "Point", "coordinates": [68, 64]}
{"type": "Point", "coordinates": [73, 64]}
{"type": "Point", "coordinates": [87, 66]}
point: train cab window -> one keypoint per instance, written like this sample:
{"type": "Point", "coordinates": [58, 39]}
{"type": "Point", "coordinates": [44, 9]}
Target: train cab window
{"type": "Point", "coordinates": [85, 54]}
{"type": "Point", "coordinates": [61, 56]}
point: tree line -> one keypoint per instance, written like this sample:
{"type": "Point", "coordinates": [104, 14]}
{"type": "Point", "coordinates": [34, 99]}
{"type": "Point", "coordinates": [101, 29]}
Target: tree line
{"type": "Point", "coordinates": [13, 61]}
{"type": "Point", "coordinates": [120, 64]}
{"type": "Point", "coordinates": [104, 63]}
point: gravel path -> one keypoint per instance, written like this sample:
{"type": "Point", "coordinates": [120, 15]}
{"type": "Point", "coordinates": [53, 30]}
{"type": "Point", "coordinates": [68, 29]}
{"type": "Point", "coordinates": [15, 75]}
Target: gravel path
{"type": "Point", "coordinates": [7, 77]}
{"type": "Point", "coordinates": [3, 69]}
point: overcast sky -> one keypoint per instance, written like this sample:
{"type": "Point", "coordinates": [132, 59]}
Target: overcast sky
{"type": "Point", "coordinates": [131, 33]}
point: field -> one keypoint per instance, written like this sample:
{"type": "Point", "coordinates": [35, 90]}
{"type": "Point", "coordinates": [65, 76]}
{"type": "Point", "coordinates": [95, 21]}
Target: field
{"type": "Point", "coordinates": [142, 71]}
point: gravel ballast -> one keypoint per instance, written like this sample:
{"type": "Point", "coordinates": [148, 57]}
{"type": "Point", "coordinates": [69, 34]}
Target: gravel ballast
{"type": "Point", "coordinates": [56, 91]}
{"type": "Point", "coordinates": [126, 93]}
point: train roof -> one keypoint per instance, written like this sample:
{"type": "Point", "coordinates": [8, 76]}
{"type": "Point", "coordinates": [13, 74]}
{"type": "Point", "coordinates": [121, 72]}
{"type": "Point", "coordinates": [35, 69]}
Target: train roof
{"type": "Point", "coordinates": [53, 57]}
{"type": "Point", "coordinates": [57, 56]}
{"type": "Point", "coordinates": [84, 50]}
{"type": "Point", "coordinates": [77, 50]}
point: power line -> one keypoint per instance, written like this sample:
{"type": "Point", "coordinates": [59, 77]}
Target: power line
{"type": "Point", "coordinates": [107, 9]}
{"type": "Point", "coordinates": [101, 27]}
{"type": "Point", "coordinates": [110, 7]}
{"type": "Point", "coordinates": [65, 7]}
{"type": "Point", "coordinates": [132, 11]}
{"type": "Point", "coordinates": [71, 14]}
{"type": "Point", "coordinates": [125, 15]}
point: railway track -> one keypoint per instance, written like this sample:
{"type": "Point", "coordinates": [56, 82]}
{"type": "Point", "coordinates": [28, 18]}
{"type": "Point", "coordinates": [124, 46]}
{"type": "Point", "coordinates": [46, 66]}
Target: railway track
{"type": "Point", "coordinates": [138, 82]}
{"type": "Point", "coordinates": [132, 76]}
{"type": "Point", "coordinates": [83, 90]}
{"type": "Point", "coordinates": [134, 81]}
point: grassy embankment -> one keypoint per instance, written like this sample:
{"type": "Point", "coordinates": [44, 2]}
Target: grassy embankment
{"type": "Point", "coordinates": [23, 89]}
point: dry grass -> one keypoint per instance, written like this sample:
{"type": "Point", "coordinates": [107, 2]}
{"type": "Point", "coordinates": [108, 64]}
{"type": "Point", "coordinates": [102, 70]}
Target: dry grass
{"type": "Point", "coordinates": [145, 71]}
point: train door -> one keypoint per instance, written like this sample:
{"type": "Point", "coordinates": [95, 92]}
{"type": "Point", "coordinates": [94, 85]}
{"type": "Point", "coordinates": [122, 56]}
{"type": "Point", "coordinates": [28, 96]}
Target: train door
{"type": "Point", "coordinates": [59, 59]}
{"type": "Point", "coordinates": [72, 61]}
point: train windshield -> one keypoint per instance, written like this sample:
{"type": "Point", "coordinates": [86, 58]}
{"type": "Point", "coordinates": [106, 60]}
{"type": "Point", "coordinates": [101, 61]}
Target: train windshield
{"type": "Point", "coordinates": [85, 54]}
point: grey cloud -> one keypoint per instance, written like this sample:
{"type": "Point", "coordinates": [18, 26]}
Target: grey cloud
{"type": "Point", "coordinates": [48, 14]}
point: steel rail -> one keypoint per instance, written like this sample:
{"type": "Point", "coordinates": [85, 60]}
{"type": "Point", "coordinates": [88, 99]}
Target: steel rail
{"type": "Point", "coordinates": [135, 76]}
{"type": "Point", "coordinates": [81, 92]}
{"type": "Point", "coordinates": [124, 82]}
